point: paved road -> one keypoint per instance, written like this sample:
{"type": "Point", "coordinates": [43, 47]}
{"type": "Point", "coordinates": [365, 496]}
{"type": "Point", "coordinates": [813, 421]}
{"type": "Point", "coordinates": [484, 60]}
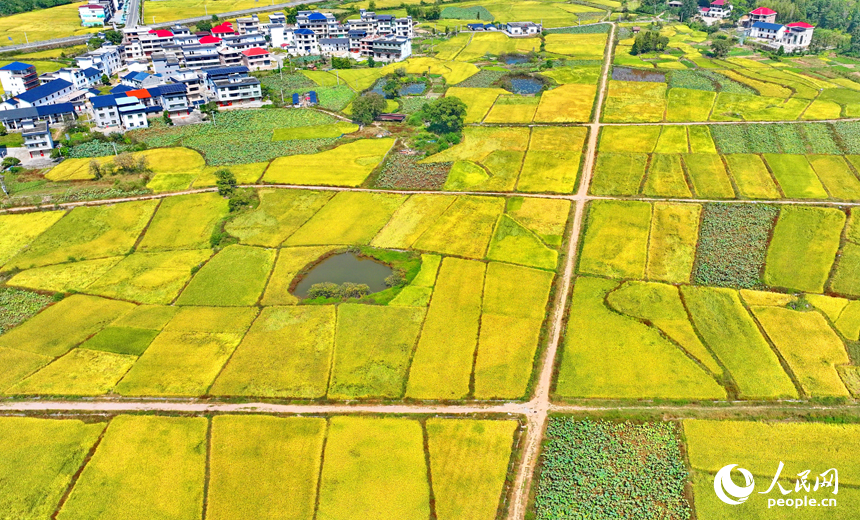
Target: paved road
{"type": "Point", "coordinates": [133, 13]}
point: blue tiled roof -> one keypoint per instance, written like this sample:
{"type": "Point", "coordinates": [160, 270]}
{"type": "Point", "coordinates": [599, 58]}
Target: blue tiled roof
{"type": "Point", "coordinates": [768, 26]}
{"type": "Point", "coordinates": [16, 66]}
{"type": "Point", "coordinates": [91, 72]}
{"type": "Point", "coordinates": [316, 16]}
{"type": "Point", "coordinates": [224, 71]}
{"type": "Point", "coordinates": [103, 101]}
{"type": "Point", "coordinates": [304, 31]}
{"type": "Point", "coordinates": [130, 75]}
{"type": "Point", "coordinates": [120, 89]}
{"type": "Point", "coordinates": [384, 17]}
{"type": "Point", "coordinates": [31, 112]}
{"type": "Point", "coordinates": [172, 88]}
{"type": "Point", "coordinates": [43, 91]}
{"type": "Point", "coordinates": [357, 33]}
{"type": "Point", "coordinates": [295, 99]}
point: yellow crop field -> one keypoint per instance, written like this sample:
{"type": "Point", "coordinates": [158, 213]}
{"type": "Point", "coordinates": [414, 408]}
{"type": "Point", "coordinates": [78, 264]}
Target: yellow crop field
{"type": "Point", "coordinates": [453, 71]}
{"type": "Point", "coordinates": [15, 365]}
{"type": "Point", "coordinates": [234, 277]}
{"type": "Point", "coordinates": [411, 220]}
{"type": "Point", "coordinates": [666, 177]}
{"type": "Point", "coordinates": [17, 231]}
{"type": "Point", "coordinates": [70, 170]}
{"type": "Point", "coordinates": [80, 372]}
{"type": "Point", "coordinates": [495, 44]}
{"type": "Point", "coordinates": [168, 10]}
{"type": "Point", "coordinates": [290, 261]}
{"type": "Point", "coordinates": [513, 310]}
{"type": "Point", "coordinates": [478, 100]}
{"type": "Point", "coordinates": [752, 177]}
{"type": "Point", "coordinates": [513, 109]}
{"type": "Point", "coordinates": [689, 105]}
{"type": "Point", "coordinates": [264, 467]}
{"type": "Point", "coordinates": [566, 104]}
{"type": "Point", "coordinates": [514, 243]}
{"type": "Point", "coordinates": [349, 218]}
{"type": "Point", "coordinates": [442, 364]}
{"type": "Point", "coordinates": [172, 449]}
{"type": "Point", "coordinates": [286, 353]}
{"type": "Point", "coordinates": [552, 161]}
{"type": "Point", "coordinates": [449, 49]}
{"type": "Point", "coordinates": [464, 229]}
{"type": "Point", "coordinates": [40, 457]}
{"type": "Point", "coordinates": [346, 165]}
{"type": "Point", "coordinates": [43, 24]}
{"type": "Point", "coordinates": [672, 245]}
{"type": "Point", "coordinates": [629, 139]}
{"type": "Point", "coordinates": [245, 174]}
{"type": "Point", "coordinates": [280, 213]}
{"type": "Point", "coordinates": [579, 46]}
{"type": "Point", "coordinates": [184, 222]}
{"type": "Point", "coordinates": [480, 142]}
{"type": "Point", "coordinates": [616, 239]}
{"type": "Point", "coordinates": [75, 276]}
{"type": "Point", "coordinates": [632, 101]}
{"type": "Point", "coordinates": [546, 217]}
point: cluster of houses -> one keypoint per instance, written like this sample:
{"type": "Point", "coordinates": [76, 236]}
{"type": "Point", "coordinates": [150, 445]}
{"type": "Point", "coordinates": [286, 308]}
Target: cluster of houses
{"type": "Point", "coordinates": [511, 28]}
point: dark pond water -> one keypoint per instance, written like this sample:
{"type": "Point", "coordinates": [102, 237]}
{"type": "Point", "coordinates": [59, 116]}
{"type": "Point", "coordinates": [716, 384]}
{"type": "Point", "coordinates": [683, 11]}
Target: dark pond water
{"type": "Point", "coordinates": [377, 87]}
{"type": "Point", "coordinates": [413, 89]}
{"type": "Point", "coordinates": [513, 60]}
{"type": "Point", "coordinates": [346, 267]}
{"type": "Point", "coordinates": [526, 86]}
{"type": "Point", "coordinates": [627, 74]}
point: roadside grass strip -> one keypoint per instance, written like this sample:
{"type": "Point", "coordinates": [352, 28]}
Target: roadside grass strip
{"type": "Point", "coordinates": [634, 362]}
{"type": "Point", "coordinates": [79, 372]}
{"type": "Point", "coordinates": [514, 243]}
{"type": "Point", "coordinates": [264, 467]}
{"type": "Point", "coordinates": [189, 353]}
{"type": "Point", "coordinates": [728, 329]}
{"type": "Point", "coordinates": [572, 103]}
{"type": "Point", "coordinates": [837, 176]}
{"type": "Point", "coordinates": [478, 100]}
{"type": "Point", "coordinates": [803, 248]}
{"type": "Point", "coordinates": [280, 213]}
{"type": "Point", "coordinates": [39, 459]}
{"type": "Point", "coordinates": [672, 245]}
{"type": "Point", "coordinates": [112, 485]}
{"type": "Point", "coordinates": [708, 175]}
{"type": "Point", "coordinates": [18, 231]}
{"type": "Point", "coordinates": [373, 346]}
{"type": "Point", "coordinates": [660, 305]}
{"type": "Point", "coordinates": [442, 365]}
{"type": "Point", "coordinates": [615, 243]}
{"type": "Point", "coordinates": [411, 220]}
{"type": "Point", "coordinates": [57, 329]}
{"type": "Point", "coordinates": [752, 177]}
{"type": "Point", "coordinates": [374, 468]}
{"type": "Point", "coordinates": [689, 105]}
{"type": "Point", "coordinates": [184, 222]}
{"type": "Point", "coordinates": [512, 313]}
{"type": "Point", "coordinates": [74, 276]}
{"type": "Point", "coordinates": [348, 218]}
{"type": "Point", "coordinates": [149, 277]}
{"type": "Point", "coordinates": [286, 353]}
{"type": "Point", "coordinates": [291, 261]}
{"type": "Point", "coordinates": [88, 232]}
{"type": "Point", "coordinates": [234, 277]}
{"type": "Point", "coordinates": [618, 174]}
{"type": "Point", "coordinates": [795, 176]}
{"type": "Point", "coordinates": [666, 177]}
{"type": "Point", "coordinates": [809, 346]}
{"type": "Point", "coordinates": [469, 491]}
{"type": "Point", "coordinates": [464, 229]}
{"type": "Point", "coordinates": [347, 165]}
{"type": "Point", "coordinates": [552, 161]}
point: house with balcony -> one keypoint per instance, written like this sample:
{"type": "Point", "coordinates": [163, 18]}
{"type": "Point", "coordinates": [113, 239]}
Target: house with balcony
{"type": "Point", "coordinates": [248, 24]}
{"type": "Point", "coordinates": [334, 46]}
{"type": "Point", "coordinates": [17, 78]}
{"type": "Point", "coordinates": [37, 138]}
{"type": "Point", "coordinates": [792, 37]}
{"type": "Point", "coordinates": [257, 59]}
{"type": "Point", "coordinates": [390, 47]}
{"type": "Point", "coordinates": [232, 86]}
{"type": "Point", "coordinates": [50, 114]}
{"type": "Point", "coordinates": [523, 28]}
{"type": "Point", "coordinates": [200, 56]}
{"type": "Point", "coordinates": [57, 91]}
{"type": "Point", "coordinates": [107, 59]}
{"type": "Point", "coordinates": [95, 14]}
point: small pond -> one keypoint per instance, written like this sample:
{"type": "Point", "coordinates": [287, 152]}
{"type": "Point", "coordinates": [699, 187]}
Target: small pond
{"type": "Point", "coordinates": [514, 59]}
{"type": "Point", "coordinates": [346, 267]}
{"type": "Point", "coordinates": [526, 86]}
{"type": "Point", "coordinates": [413, 89]}
{"type": "Point", "coordinates": [628, 74]}
{"type": "Point", "coordinates": [377, 87]}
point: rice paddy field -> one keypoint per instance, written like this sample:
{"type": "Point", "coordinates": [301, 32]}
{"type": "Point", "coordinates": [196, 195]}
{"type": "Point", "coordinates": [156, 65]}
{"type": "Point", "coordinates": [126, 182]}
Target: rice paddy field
{"type": "Point", "coordinates": [43, 24]}
{"type": "Point", "coordinates": [153, 309]}
{"type": "Point", "coordinates": [266, 466]}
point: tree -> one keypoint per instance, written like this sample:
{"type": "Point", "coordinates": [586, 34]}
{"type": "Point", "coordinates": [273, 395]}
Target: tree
{"type": "Point", "coordinates": [444, 115]}
{"type": "Point", "coordinates": [11, 161]}
{"type": "Point", "coordinates": [115, 37]}
{"type": "Point", "coordinates": [3, 130]}
{"type": "Point", "coordinates": [105, 80]}
{"type": "Point", "coordinates": [367, 107]}
{"type": "Point", "coordinates": [371, 6]}
{"type": "Point", "coordinates": [721, 47]}
{"type": "Point", "coordinates": [226, 182]}
{"type": "Point", "coordinates": [371, 62]}
{"type": "Point", "coordinates": [166, 117]}
{"type": "Point", "coordinates": [203, 26]}
{"type": "Point", "coordinates": [341, 63]}
{"type": "Point", "coordinates": [854, 49]}
{"type": "Point", "coordinates": [391, 88]}
{"type": "Point", "coordinates": [95, 42]}
{"type": "Point", "coordinates": [649, 41]}
{"type": "Point", "coordinates": [215, 18]}
{"type": "Point", "coordinates": [209, 109]}
{"type": "Point", "coordinates": [95, 169]}
{"type": "Point", "coordinates": [689, 9]}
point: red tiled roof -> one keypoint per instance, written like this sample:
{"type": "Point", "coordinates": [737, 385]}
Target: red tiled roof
{"type": "Point", "coordinates": [804, 25]}
{"type": "Point", "coordinates": [704, 9]}
{"type": "Point", "coordinates": [161, 33]}
{"type": "Point", "coordinates": [763, 10]}
{"type": "Point", "coordinates": [223, 28]}
{"type": "Point", "coordinates": [141, 93]}
{"type": "Point", "coordinates": [210, 39]}
{"type": "Point", "coordinates": [256, 51]}
{"type": "Point", "coordinates": [93, 6]}
{"type": "Point", "coordinates": [718, 2]}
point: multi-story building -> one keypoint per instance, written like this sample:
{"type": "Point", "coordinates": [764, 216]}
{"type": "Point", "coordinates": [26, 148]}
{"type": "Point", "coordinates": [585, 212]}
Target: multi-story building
{"type": "Point", "coordinates": [200, 56]}
{"type": "Point", "coordinates": [231, 86]}
{"type": "Point", "coordinates": [791, 37]}
{"type": "Point", "coordinates": [225, 29]}
{"type": "Point", "coordinates": [94, 15]}
{"type": "Point", "coordinates": [119, 111]}
{"type": "Point", "coordinates": [373, 24]}
{"type": "Point", "coordinates": [523, 28]}
{"type": "Point", "coordinates": [334, 46]}
{"type": "Point", "coordinates": [132, 113]}
{"type": "Point", "coordinates": [280, 37]}
{"type": "Point", "coordinates": [230, 57]}
{"type": "Point", "coordinates": [245, 41]}
{"type": "Point", "coordinates": [165, 63]}
{"type": "Point", "coordinates": [51, 114]}
{"type": "Point", "coordinates": [762, 14]}
{"type": "Point", "coordinates": [107, 59]}
{"type": "Point", "coordinates": [80, 78]}
{"type": "Point", "coordinates": [306, 42]}
{"type": "Point", "coordinates": [155, 41]}
{"type": "Point", "coordinates": [194, 85]}
{"type": "Point", "coordinates": [57, 91]}
{"type": "Point", "coordinates": [278, 18]}
{"type": "Point", "coordinates": [355, 37]}
{"type": "Point", "coordinates": [172, 97]}
{"type": "Point", "coordinates": [323, 24]}
{"type": "Point", "coordinates": [17, 78]}
{"type": "Point", "coordinates": [248, 24]}
{"type": "Point", "coordinates": [37, 138]}
{"type": "Point", "coordinates": [718, 10]}
{"type": "Point", "coordinates": [141, 80]}
{"type": "Point", "coordinates": [391, 47]}
{"type": "Point", "coordinates": [257, 59]}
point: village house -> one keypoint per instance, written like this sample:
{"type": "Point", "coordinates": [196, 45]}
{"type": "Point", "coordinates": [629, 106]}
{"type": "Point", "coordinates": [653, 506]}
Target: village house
{"type": "Point", "coordinates": [106, 58]}
{"type": "Point", "coordinates": [57, 91]}
{"type": "Point", "coordinates": [37, 138]}
{"type": "Point", "coordinates": [17, 78]}
{"type": "Point", "coordinates": [51, 114]}
{"type": "Point", "coordinates": [257, 59]}
{"type": "Point", "coordinates": [763, 29]}
{"type": "Point", "coordinates": [232, 86]}
{"type": "Point", "coordinates": [523, 28]}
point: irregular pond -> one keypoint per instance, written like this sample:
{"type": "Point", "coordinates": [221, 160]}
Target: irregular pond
{"type": "Point", "coordinates": [377, 87]}
{"type": "Point", "coordinates": [526, 86]}
{"type": "Point", "coordinates": [628, 74]}
{"type": "Point", "coordinates": [514, 59]}
{"type": "Point", "coordinates": [346, 267]}
{"type": "Point", "coordinates": [413, 89]}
